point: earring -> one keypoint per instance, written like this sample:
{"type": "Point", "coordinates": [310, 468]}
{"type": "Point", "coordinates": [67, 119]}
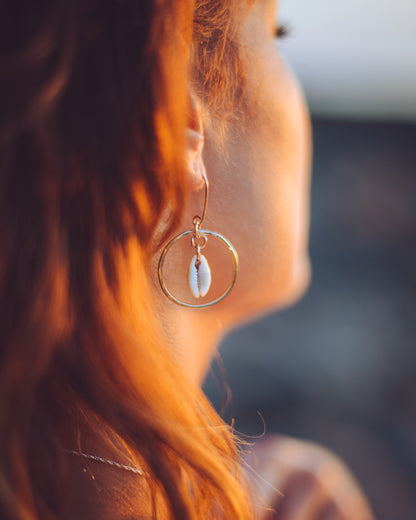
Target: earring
{"type": "Point", "coordinates": [199, 273]}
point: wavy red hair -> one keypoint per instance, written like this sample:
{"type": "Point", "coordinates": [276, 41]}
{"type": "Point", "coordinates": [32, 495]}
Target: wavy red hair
{"type": "Point", "coordinates": [94, 109]}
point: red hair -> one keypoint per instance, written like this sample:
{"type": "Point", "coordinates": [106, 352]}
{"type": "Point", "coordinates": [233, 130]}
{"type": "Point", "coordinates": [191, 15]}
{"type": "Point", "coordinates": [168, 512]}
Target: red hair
{"type": "Point", "coordinates": [94, 103]}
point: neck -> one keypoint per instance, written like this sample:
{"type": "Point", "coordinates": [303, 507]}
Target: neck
{"type": "Point", "coordinates": [193, 336]}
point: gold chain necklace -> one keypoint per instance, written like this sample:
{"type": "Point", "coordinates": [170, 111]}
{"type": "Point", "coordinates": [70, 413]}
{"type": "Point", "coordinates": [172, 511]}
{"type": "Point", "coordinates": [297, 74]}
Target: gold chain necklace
{"type": "Point", "coordinates": [113, 463]}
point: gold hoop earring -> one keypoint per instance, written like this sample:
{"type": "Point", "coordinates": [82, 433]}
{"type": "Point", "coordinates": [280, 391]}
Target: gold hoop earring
{"type": "Point", "coordinates": [199, 273]}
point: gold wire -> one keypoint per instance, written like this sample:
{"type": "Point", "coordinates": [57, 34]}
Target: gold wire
{"type": "Point", "coordinates": [234, 258]}
{"type": "Point", "coordinates": [204, 210]}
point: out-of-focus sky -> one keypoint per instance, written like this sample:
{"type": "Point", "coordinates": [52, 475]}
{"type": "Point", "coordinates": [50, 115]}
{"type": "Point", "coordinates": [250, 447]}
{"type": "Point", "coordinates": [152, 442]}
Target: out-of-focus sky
{"type": "Point", "coordinates": [355, 58]}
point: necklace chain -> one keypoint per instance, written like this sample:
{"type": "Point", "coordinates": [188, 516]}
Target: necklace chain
{"type": "Point", "coordinates": [96, 458]}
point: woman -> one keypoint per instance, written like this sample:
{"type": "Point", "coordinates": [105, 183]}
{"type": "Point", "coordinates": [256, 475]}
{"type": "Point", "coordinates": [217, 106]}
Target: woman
{"type": "Point", "coordinates": [102, 164]}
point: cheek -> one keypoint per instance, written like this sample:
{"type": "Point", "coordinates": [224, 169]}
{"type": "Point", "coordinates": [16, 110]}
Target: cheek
{"type": "Point", "coordinates": [262, 199]}
{"type": "Point", "coordinates": [288, 179]}
{"type": "Point", "coordinates": [280, 218]}
{"type": "Point", "coordinates": [286, 185]}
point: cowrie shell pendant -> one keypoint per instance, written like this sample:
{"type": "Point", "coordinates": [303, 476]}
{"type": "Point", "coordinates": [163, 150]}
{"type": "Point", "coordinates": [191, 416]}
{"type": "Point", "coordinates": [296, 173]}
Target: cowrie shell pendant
{"type": "Point", "coordinates": [199, 276]}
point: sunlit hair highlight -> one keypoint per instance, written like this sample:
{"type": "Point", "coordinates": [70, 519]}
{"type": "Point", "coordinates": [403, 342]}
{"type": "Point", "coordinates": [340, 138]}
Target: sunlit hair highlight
{"type": "Point", "coordinates": [93, 101]}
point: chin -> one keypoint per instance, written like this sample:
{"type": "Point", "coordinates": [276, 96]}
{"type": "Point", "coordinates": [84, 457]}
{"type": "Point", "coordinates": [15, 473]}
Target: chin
{"type": "Point", "coordinates": [300, 282]}
{"type": "Point", "coordinates": [274, 297]}
{"type": "Point", "coordinates": [286, 293]}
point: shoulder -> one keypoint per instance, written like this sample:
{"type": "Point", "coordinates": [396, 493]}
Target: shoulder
{"type": "Point", "coordinates": [295, 476]}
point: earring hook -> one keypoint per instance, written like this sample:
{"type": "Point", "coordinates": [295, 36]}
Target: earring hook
{"type": "Point", "coordinates": [197, 218]}
{"type": "Point", "coordinates": [199, 272]}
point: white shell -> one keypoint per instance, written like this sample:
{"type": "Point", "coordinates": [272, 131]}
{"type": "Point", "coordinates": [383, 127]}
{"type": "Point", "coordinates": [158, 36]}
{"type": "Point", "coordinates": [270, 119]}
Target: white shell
{"type": "Point", "coordinates": [199, 278]}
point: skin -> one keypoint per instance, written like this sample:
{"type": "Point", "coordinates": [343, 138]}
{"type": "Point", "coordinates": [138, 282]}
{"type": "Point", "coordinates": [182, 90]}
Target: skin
{"type": "Point", "coordinates": [259, 175]}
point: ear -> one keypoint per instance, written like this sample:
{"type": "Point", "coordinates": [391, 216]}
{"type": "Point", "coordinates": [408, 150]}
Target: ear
{"type": "Point", "coordinates": [194, 146]}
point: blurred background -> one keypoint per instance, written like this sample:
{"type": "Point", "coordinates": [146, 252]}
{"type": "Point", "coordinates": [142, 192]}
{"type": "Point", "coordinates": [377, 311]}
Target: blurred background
{"type": "Point", "coordinates": [339, 368]}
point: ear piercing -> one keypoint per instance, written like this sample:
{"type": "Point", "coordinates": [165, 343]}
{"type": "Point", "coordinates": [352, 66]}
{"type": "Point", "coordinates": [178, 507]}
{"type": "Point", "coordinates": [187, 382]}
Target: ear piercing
{"type": "Point", "coordinates": [199, 272]}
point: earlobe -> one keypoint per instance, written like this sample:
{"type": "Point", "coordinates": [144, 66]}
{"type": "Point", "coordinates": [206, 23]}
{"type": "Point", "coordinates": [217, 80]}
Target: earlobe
{"type": "Point", "coordinates": [194, 114]}
{"type": "Point", "coordinates": [194, 161]}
